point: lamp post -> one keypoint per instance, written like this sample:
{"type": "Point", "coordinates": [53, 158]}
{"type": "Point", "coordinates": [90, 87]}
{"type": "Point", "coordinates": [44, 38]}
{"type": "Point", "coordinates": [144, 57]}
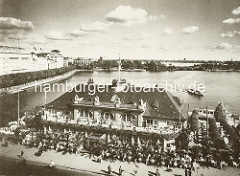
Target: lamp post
{"type": "Point", "coordinates": [45, 103]}
{"type": "Point", "coordinates": [207, 120]}
{"type": "Point", "coordinates": [18, 116]}
{"type": "Point", "coordinates": [18, 107]}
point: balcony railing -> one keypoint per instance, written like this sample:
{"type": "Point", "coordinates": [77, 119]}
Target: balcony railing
{"type": "Point", "coordinates": [104, 104]}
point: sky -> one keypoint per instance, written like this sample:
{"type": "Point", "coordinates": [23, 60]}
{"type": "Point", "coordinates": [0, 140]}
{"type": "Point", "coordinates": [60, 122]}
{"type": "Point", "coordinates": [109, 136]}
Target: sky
{"type": "Point", "coordinates": [137, 29]}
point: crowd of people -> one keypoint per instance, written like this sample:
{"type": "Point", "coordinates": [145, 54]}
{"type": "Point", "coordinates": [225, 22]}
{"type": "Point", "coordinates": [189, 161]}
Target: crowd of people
{"type": "Point", "coordinates": [148, 153]}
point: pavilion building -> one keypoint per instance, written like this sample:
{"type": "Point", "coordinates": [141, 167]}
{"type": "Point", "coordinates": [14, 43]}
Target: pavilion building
{"type": "Point", "coordinates": [155, 111]}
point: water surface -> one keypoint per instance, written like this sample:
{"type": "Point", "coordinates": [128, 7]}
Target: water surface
{"type": "Point", "coordinates": [220, 87]}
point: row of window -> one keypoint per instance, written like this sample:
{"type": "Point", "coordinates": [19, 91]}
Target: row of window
{"type": "Point", "coordinates": [107, 116]}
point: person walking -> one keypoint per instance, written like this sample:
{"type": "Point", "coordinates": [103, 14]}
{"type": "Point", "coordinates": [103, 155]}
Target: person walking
{"type": "Point", "coordinates": [194, 164]}
{"type": "Point", "coordinates": [21, 153]}
{"type": "Point", "coordinates": [120, 171]}
{"type": "Point", "coordinates": [109, 169]}
{"type": "Point", "coordinates": [190, 172]}
{"type": "Point", "coordinates": [51, 165]}
{"type": "Point", "coordinates": [186, 172]}
{"type": "Point", "coordinates": [157, 172]}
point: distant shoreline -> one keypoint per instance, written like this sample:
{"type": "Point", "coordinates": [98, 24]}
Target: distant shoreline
{"type": "Point", "coordinates": [127, 70]}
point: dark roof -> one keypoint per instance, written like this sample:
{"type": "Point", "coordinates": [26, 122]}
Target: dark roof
{"type": "Point", "coordinates": [158, 104]}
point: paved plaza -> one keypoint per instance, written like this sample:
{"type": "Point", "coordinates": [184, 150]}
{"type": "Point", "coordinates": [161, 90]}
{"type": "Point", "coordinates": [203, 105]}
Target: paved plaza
{"type": "Point", "coordinates": [84, 163]}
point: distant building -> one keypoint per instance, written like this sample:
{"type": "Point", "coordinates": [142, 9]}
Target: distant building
{"type": "Point", "coordinates": [18, 60]}
{"type": "Point", "coordinates": [49, 60]}
{"type": "Point", "coordinates": [15, 60]}
{"type": "Point", "coordinates": [83, 61]}
{"type": "Point", "coordinates": [67, 61]}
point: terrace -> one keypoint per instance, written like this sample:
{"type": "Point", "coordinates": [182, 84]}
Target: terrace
{"type": "Point", "coordinates": [61, 119]}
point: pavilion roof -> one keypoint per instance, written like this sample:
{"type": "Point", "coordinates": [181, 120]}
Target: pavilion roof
{"type": "Point", "coordinates": [157, 104]}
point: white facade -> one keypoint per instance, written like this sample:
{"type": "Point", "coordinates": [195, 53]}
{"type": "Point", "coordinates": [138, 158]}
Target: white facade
{"type": "Point", "coordinates": [17, 60]}
{"type": "Point", "coordinates": [40, 62]}
{"type": "Point", "coordinates": [49, 60]}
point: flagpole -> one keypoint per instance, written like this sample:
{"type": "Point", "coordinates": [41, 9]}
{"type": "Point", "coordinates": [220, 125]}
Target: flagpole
{"type": "Point", "coordinates": [45, 102]}
{"type": "Point", "coordinates": [45, 99]}
{"type": "Point", "coordinates": [119, 69]}
{"type": "Point", "coordinates": [18, 123]}
{"type": "Point", "coordinates": [187, 113]}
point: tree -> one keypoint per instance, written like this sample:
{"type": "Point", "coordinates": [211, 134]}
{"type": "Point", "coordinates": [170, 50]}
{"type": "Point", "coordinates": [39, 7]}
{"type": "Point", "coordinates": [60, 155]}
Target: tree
{"type": "Point", "coordinates": [107, 64]}
{"type": "Point", "coordinates": [215, 135]}
{"type": "Point", "coordinates": [193, 121]}
{"type": "Point", "coordinates": [219, 112]}
{"type": "Point", "coordinates": [100, 60]}
{"type": "Point", "coordinates": [162, 67]}
{"type": "Point", "coordinates": [219, 144]}
{"type": "Point", "coordinates": [22, 78]}
{"type": "Point", "coordinates": [127, 64]}
{"type": "Point", "coordinates": [138, 64]}
{"type": "Point", "coordinates": [213, 131]}
{"type": "Point", "coordinates": [182, 140]}
{"type": "Point", "coordinates": [152, 66]}
{"type": "Point", "coordinates": [233, 137]}
{"type": "Point", "coordinates": [238, 130]}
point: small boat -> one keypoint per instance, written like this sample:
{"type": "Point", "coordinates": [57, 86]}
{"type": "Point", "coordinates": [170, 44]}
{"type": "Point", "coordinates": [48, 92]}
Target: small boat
{"type": "Point", "coordinates": [191, 91]}
{"type": "Point", "coordinates": [197, 92]}
{"type": "Point", "coordinates": [194, 92]}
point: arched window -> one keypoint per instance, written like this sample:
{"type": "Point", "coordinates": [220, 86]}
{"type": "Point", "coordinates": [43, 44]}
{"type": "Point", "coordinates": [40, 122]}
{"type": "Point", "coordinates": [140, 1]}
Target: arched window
{"type": "Point", "coordinates": [107, 116]}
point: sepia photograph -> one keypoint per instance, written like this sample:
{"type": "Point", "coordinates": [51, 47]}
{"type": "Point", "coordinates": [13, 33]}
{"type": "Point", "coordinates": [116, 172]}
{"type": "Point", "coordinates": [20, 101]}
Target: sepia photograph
{"type": "Point", "coordinates": [120, 87]}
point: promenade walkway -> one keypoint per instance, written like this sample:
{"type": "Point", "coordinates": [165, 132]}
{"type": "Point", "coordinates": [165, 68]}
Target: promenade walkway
{"type": "Point", "coordinates": [85, 164]}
